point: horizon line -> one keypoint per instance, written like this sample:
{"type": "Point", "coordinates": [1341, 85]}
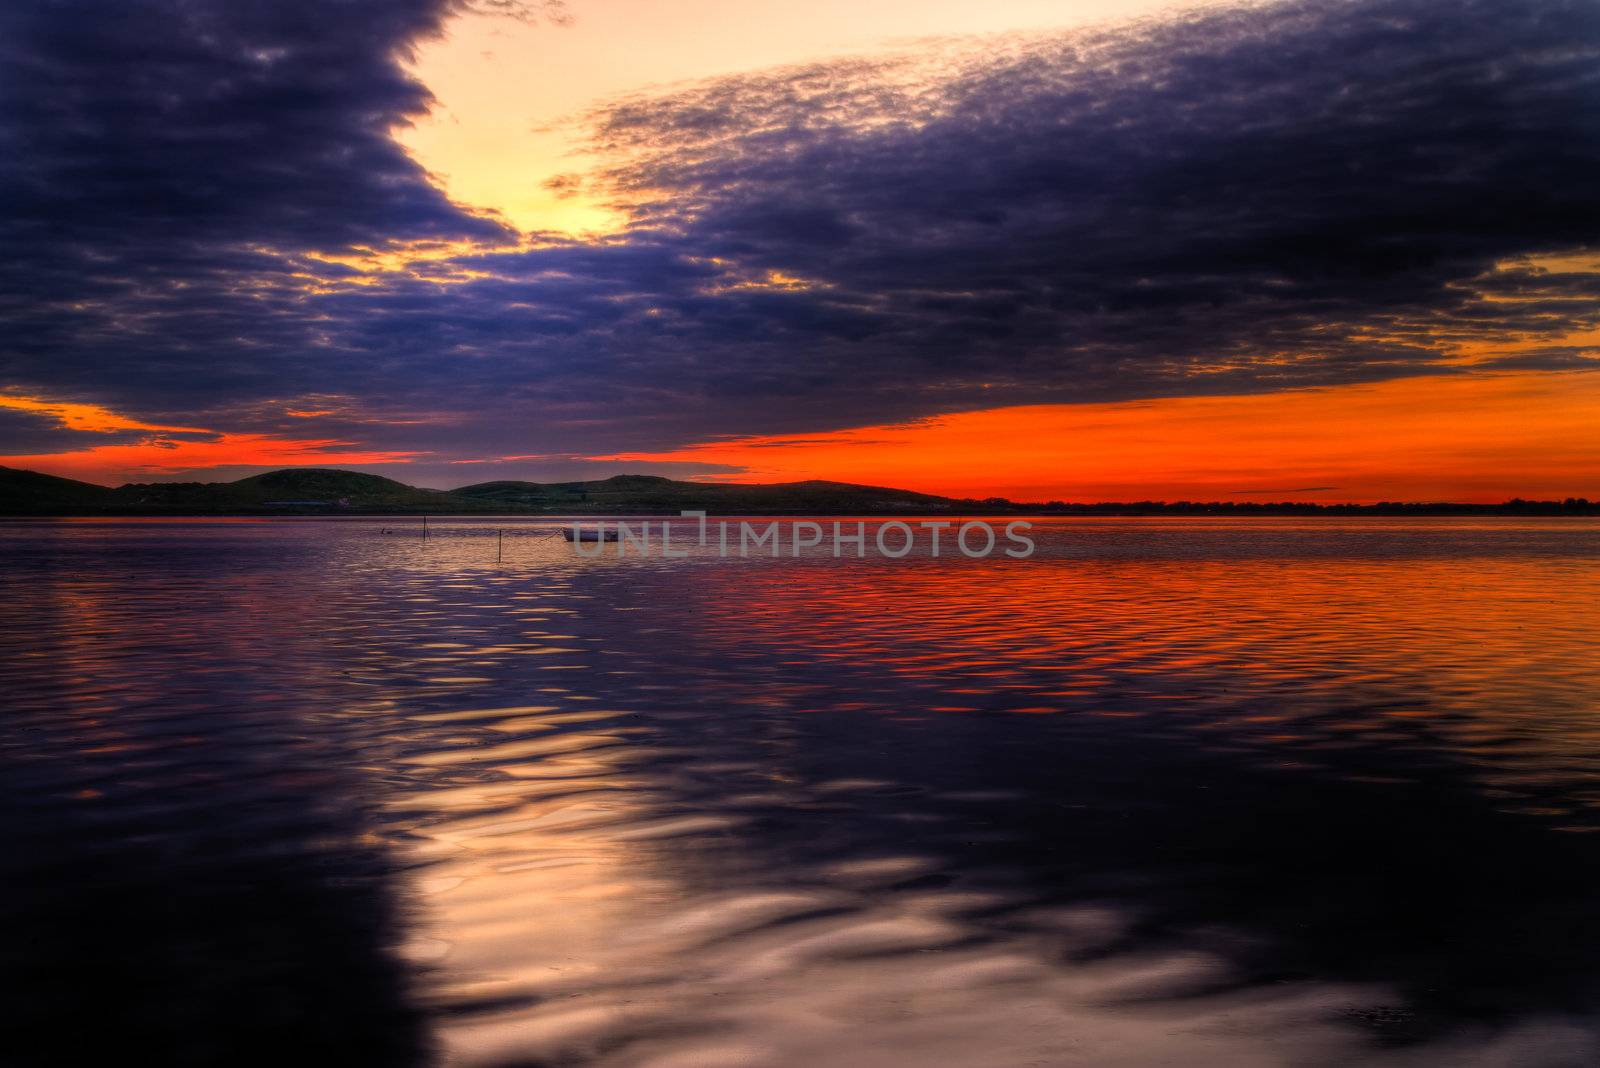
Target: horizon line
{"type": "Point", "coordinates": [1166, 502]}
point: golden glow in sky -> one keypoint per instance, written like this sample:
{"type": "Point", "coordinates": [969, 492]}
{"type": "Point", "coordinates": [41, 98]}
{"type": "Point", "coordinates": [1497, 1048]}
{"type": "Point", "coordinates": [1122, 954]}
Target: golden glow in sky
{"type": "Point", "coordinates": [507, 133]}
{"type": "Point", "coordinates": [1483, 437]}
{"type": "Point", "coordinates": [509, 92]}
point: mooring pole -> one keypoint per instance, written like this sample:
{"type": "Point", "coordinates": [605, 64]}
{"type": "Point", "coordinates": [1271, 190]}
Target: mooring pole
{"type": "Point", "coordinates": [424, 528]}
{"type": "Point", "coordinates": [499, 544]}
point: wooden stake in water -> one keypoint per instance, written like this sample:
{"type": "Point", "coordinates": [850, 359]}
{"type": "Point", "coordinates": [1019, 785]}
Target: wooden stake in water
{"type": "Point", "coordinates": [424, 528]}
{"type": "Point", "coordinates": [499, 544]}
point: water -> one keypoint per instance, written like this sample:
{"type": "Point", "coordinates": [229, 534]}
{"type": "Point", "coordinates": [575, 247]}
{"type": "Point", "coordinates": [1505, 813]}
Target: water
{"type": "Point", "coordinates": [1172, 791]}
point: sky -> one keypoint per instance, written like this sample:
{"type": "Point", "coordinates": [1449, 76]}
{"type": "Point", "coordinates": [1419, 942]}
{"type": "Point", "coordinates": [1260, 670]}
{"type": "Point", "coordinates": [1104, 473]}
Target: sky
{"type": "Point", "coordinates": [1336, 251]}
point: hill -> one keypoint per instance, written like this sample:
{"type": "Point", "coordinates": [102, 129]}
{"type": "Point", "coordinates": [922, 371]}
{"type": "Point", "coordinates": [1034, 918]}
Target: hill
{"type": "Point", "coordinates": [315, 491]}
{"type": "Point", "coordinates": [31, 493]}
{"type": "Point", "coordinates": [653, 495]}
{"type": "Point", "coordinates": [319, 491]}
{"type": "Point", "coordinates": [295, 491]}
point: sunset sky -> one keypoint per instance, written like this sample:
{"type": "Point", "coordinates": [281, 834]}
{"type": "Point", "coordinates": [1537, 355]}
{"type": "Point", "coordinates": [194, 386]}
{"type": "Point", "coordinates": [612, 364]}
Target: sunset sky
{"type": "Point", "coordinates": [1116, 249]}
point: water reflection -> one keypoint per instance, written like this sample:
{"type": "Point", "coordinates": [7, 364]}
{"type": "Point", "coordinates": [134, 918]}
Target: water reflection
{"type": "Point", "coordinates": [188, 873]}
{"type": "Point", "coordinates": [1187, 792]}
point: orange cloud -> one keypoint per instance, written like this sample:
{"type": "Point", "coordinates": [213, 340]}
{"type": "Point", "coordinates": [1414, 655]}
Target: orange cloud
{"type": "Point", "coordinates": [90, 418]}
{"type": "Point", "coordinates": [163, 456]}
{"type": "Point", "coordinates": [159, 453]}
{"type": "Point", "coordinates": [1474, 437]}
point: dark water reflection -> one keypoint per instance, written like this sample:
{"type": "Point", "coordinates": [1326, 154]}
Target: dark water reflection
{"type": "Point", "coordinates": [1173, 791]}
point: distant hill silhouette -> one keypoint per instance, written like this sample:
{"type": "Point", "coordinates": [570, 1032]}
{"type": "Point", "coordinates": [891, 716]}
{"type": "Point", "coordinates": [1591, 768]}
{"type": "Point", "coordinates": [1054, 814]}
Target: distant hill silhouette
{"type": "Point", "coordinates": [651, 494]}
{"type": "Point", "coordinates": [294, 491]}
{"type": "Point", "coordinates": [317, 491]}
{"type": "Point", "coordinates": [31, 493]}
{"type": "Point", "coordinates": [321, 491]}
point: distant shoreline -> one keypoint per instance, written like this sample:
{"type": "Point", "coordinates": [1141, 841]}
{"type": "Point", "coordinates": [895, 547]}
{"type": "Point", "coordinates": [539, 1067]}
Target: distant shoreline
{"type": "Point", "coordinates": [313, 492]}
{"type": "Point", "coordinates": [1530, 509]}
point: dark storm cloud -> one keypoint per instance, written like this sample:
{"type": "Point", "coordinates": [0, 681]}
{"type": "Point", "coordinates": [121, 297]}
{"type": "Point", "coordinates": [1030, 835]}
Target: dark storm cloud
{"type": "Point", "coordinates": [1238, 201]}
{"type": "Point", "coordinates": [206, 124]}
{"type": "Point", "coordinates": [159, 159]}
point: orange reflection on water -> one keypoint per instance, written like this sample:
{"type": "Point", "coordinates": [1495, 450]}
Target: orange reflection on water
{"type": "Point", "coordinates": [1381, 639]}
{"type": "Point", "coordinates": [778, 812]}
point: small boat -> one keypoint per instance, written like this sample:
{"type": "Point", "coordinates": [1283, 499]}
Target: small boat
{"type": "Point", "coordinates": [590, 535]}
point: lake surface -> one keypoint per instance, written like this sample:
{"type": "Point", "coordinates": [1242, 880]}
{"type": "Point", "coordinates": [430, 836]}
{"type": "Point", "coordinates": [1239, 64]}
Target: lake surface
{"type": "Point", "coordinates": [1170, 791]}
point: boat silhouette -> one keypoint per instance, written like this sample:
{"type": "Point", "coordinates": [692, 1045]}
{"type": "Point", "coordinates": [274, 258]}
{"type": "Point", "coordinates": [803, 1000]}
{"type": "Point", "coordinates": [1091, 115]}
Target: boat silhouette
{"type": "Point", "coordinates": [574, 534]}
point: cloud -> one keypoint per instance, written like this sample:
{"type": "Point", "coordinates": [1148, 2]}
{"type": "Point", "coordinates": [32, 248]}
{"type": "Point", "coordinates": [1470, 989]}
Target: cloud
{"type": "Point", "coordinates": [1236, 201]}
{"type": "Point", "coordinates": [161, 158]}
{"type": "Point", "coordinates": [157, 456]}
{"type": "Point", "coordinates": [85, 418]}
{"type": "Point", "coordinates": [94, 443]}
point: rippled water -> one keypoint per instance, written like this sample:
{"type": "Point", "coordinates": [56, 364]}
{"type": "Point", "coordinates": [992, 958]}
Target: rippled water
{"type": "Point", "coordinates": [1191, 792]}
